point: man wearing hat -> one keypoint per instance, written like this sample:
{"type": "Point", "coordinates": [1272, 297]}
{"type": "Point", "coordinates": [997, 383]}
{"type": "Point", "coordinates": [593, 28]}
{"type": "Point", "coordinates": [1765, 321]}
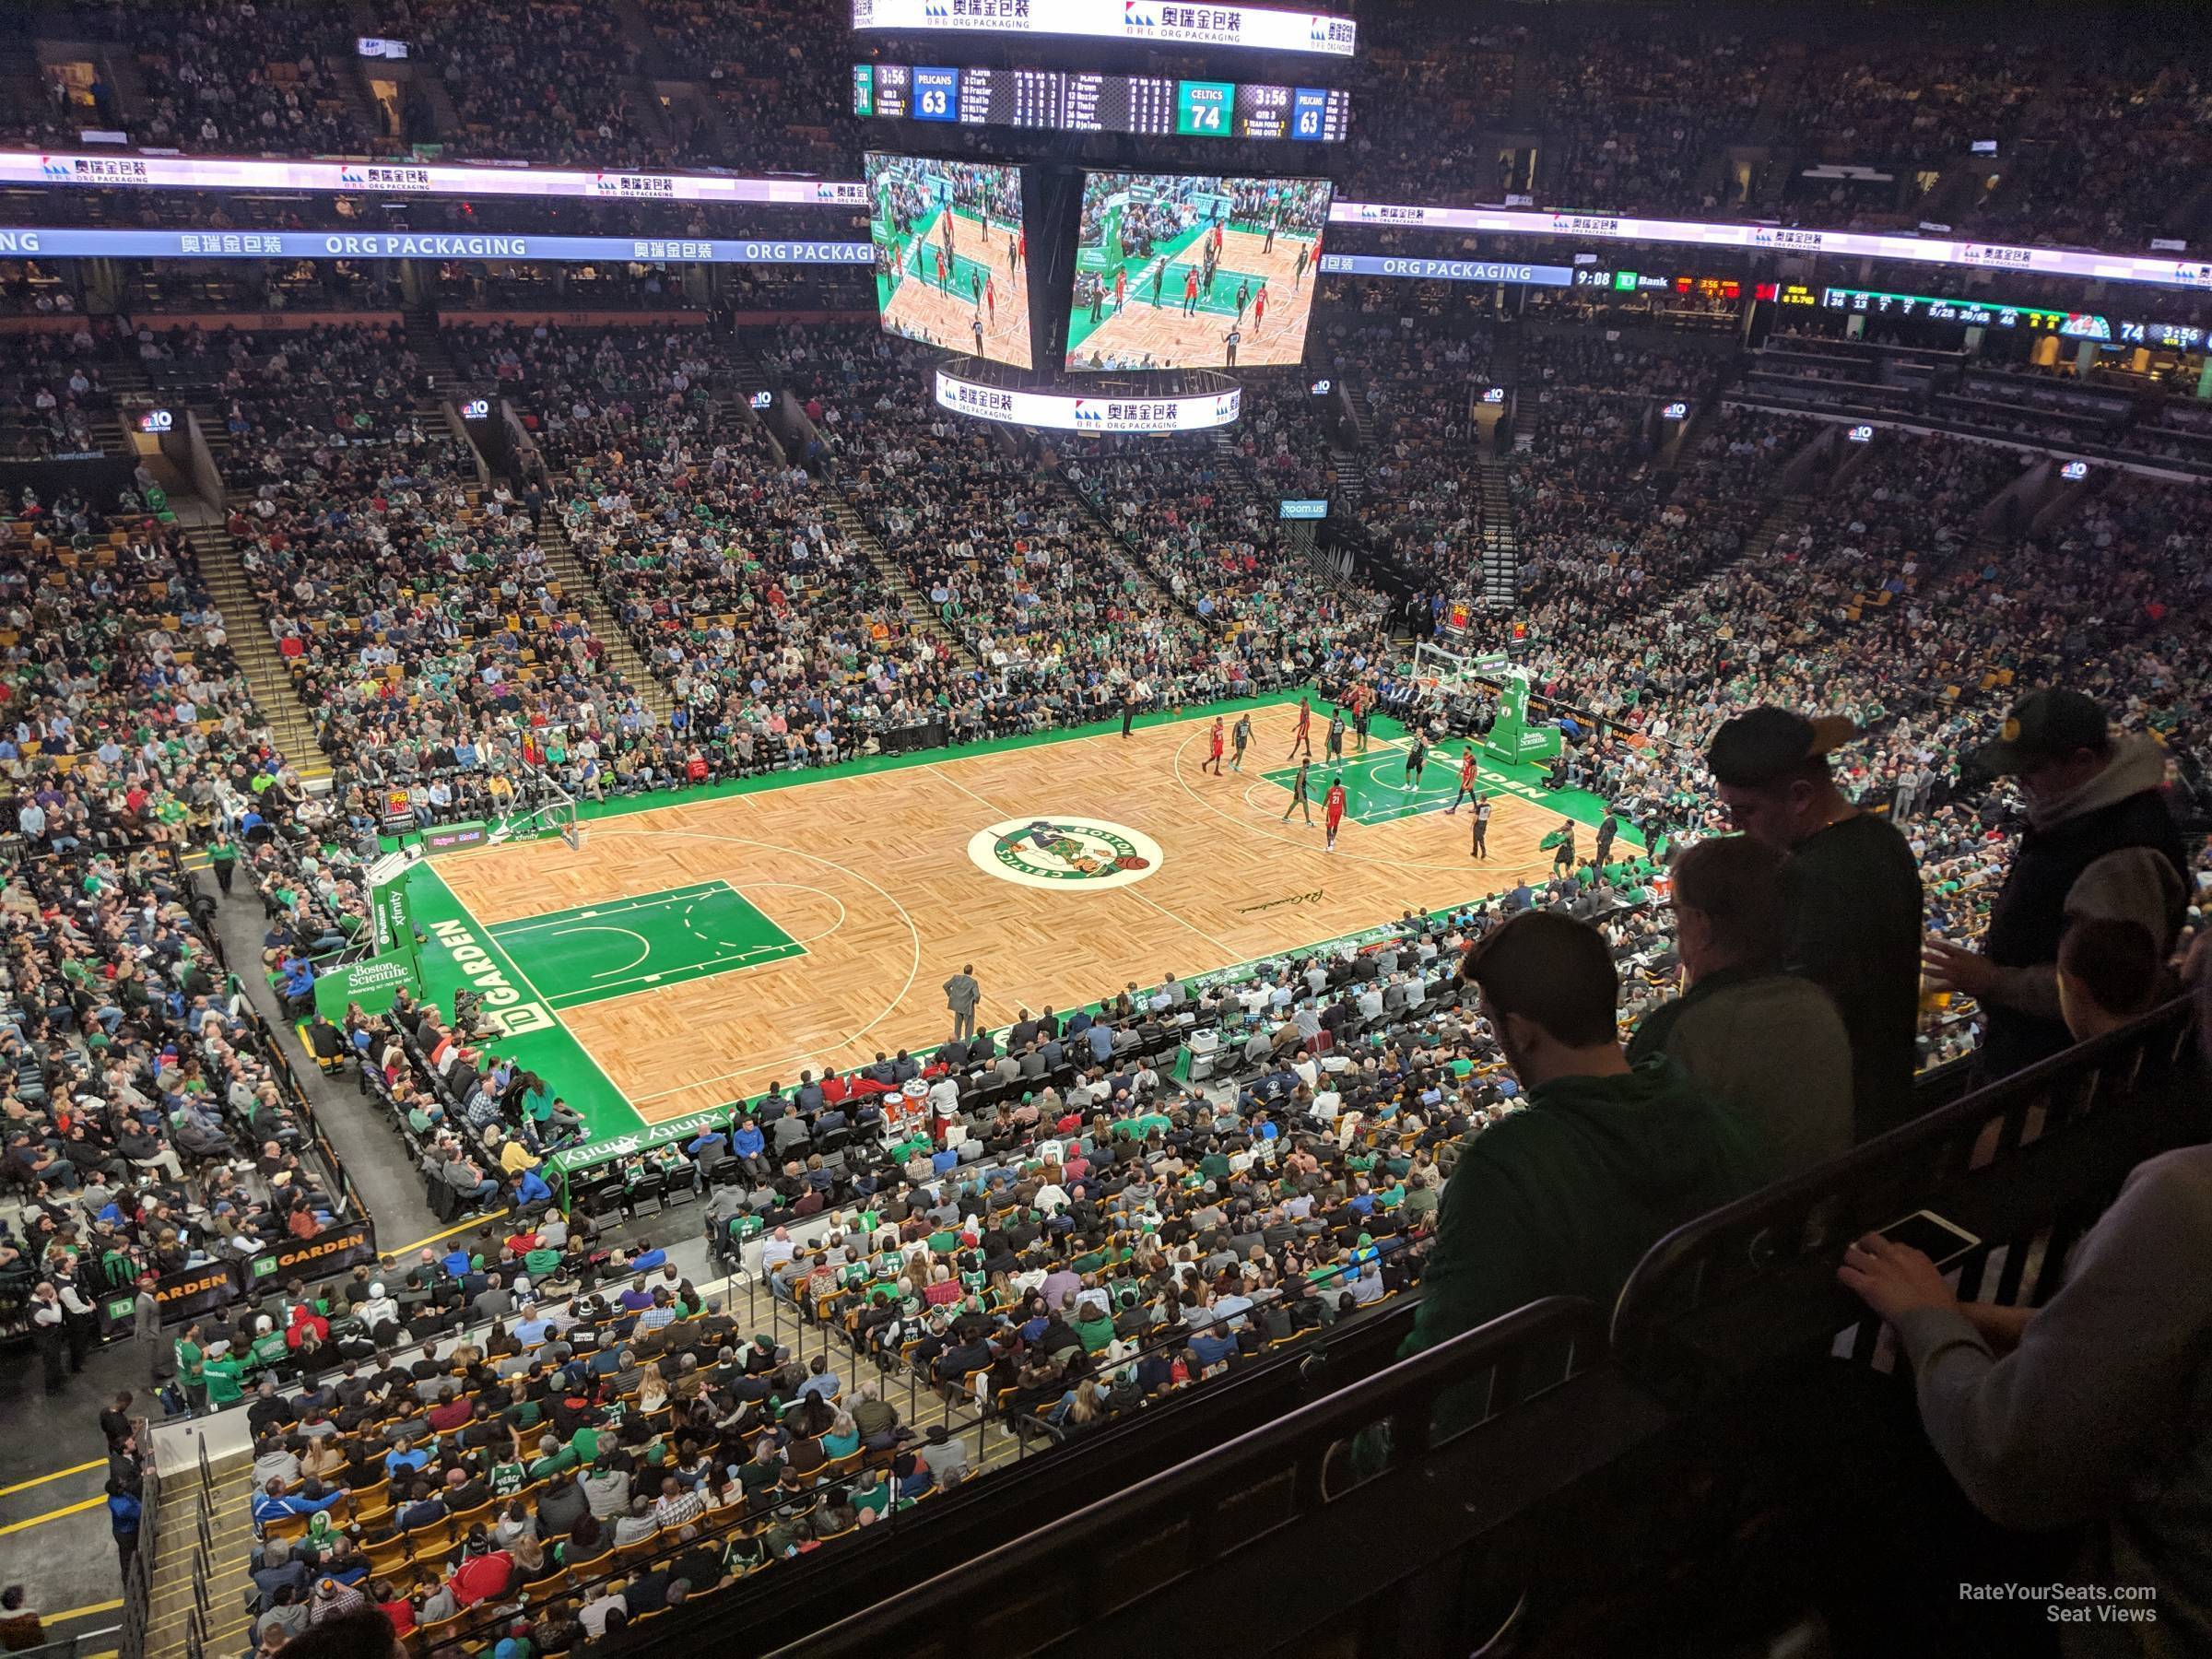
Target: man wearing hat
{"type": "Point", "coordinates": [2100, 841]}
{"type": "Point", "coordinates": [1851, 893]}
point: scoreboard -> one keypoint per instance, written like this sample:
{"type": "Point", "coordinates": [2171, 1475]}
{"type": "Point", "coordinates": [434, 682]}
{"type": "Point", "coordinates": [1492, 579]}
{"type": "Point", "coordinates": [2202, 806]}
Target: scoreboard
{"type": "Point", "coordinates": [1074, 100]}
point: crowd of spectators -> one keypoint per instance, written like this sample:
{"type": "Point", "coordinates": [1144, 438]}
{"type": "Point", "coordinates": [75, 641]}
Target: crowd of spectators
{"type": "Point", "coordinates": [532, 80]}
{"type": "Point", "coordinates": [1063, 618]}
{"type": "Point", "coordinates": [1214, 527]}
{"type": "Point", "coordinates": [55, 399]}
{"type": "Point", "coordinates": [422, 625]}
{"type": "Point", "coordinates": [295, 404]}
{"type": "Point", "coordinates": [1420, 382]}
{"type": "Point", "coordinates": [148, 1129]}
{"type": "Point", "coordinates": [1638, 124]}
{"type": "Point", "coordinates": [124, 702]}
{"type": "Point", "coordinates": [1923, 105]}
{"type": "Point", "coordinates": [779, 642]}
{"type": "Point", "coordinates": [245, 78]}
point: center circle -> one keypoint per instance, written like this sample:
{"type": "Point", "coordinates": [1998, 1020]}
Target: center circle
{"type": "Point", "coordinates": [1084, 854]}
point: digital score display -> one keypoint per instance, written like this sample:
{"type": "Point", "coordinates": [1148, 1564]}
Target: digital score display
{"type": "Point", "coordinates": [1204, 108]}
{"type": "Point", "coordinates": [2035, 319]}
{"type": "Point", "coordinates": [892, 89]}
{"type": "Point", "coordinates": [1971, 314]}
{"type": "Point", "coordinates": [1650, 282]}
{"type": "Point", "coordinates": [2169, 337]}
{"type": "Point", "coordinates": [1074, 100]}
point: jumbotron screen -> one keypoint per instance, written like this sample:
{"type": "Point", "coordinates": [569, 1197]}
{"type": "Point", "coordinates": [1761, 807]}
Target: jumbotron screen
{"type": "Point", "coordinates": [950, 254]}
{"type": "Point", "coordinates": [1180, 272]}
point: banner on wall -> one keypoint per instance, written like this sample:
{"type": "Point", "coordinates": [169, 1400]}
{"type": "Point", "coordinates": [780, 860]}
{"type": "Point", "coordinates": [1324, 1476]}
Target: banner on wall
{"type": "Point", "coordinates": [191, 1292]}
{"type": "Point", "coordinates": [184, 1295]}
{"type": "Point", "coordinates": [373, 982]}
{"type": "Point", "coordinates": [333, 1250]}
{"type": "Point", "coordinates": [420, 176]}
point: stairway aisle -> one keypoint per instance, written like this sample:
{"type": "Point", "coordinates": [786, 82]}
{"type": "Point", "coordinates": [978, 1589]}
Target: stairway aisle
{"type": "Point", "coordinates": [1151, 577]}
{"type": "Point", "coordinates": [1500, 540]}
{"type": "Point", "coordinates": [587, 606]}
{"type": "Point", "coordinates": [919, 613]}
{"type": "Point", "coordinates": [266, 675]}
{"type": "Point", "coordinates": [173, 1593]}
{"type": "Point", "coordinates": [427, 344]}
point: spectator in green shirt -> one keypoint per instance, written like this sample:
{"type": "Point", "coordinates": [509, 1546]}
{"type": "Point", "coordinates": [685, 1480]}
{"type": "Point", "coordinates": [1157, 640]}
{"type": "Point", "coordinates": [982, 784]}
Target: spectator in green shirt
{"type": "Point", "coordinates": [221, 1373]}
{"type": "Point", "coordinates": [1563, 1198]}
{"type": "Point", "coordinates": [191, 1362]}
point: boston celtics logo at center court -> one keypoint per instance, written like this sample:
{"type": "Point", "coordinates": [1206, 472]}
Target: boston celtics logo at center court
{"type": "Point", "coordinates": [1079, 854]}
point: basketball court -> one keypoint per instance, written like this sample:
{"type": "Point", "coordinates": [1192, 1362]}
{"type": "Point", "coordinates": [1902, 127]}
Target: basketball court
{"type": "Point", "coordinates": [1152, 321]}
{"type": "Point", "coordinates": [692, 953]}
{"type": "Point", "coordinates": [980, 282]}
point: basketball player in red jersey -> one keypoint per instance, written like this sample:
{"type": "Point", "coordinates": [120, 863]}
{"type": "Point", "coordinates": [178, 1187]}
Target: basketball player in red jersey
{"type": "Point", "coordinates": [1331, 813]}
{"type": "Point", "coordinates": [1303, 737]}
{"type": "Point", "coordinates": [1213, 745]}
{"type": "Point", "coordinates": [1468, 791]}
{"type": "Point", "coordinates": [1259, 310]}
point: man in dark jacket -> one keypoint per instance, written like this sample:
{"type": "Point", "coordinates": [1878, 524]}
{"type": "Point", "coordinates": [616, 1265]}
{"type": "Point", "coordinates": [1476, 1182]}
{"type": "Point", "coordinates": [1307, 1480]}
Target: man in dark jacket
{"type": "Point", "coordinates": [1851, 893]}
{"type": "Point", "coordinates": [1564, 1197]}
{"type": "Point", "coordinates": [2100, 842]}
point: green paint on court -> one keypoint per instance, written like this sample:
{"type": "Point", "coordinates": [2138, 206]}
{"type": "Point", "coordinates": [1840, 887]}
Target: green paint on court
{"type": "Point", "coordinates": [965, 276]}
{"type": "Point", "coordinates": [626, 946]}
{"type": "Point", "coordinates": [1376, 790]}
{"type": "Point", "coordinates": [1218, 299]}
{"type": "Point", "coordinates": [460, 954]}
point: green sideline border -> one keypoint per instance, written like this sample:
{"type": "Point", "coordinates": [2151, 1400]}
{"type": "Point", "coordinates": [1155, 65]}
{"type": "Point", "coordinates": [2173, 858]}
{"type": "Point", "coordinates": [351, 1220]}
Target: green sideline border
{"type": "Point", "coordinates": [461, 952]}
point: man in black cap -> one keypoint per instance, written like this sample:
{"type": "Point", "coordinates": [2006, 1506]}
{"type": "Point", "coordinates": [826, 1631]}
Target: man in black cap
{"type": "Point", "coordinates": [1851, 893]}
{"type": "Point", "coordinates": [2100, 842]}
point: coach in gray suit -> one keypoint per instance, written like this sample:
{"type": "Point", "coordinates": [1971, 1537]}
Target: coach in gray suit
{"type": "Point", "coordinates": [961, 995]}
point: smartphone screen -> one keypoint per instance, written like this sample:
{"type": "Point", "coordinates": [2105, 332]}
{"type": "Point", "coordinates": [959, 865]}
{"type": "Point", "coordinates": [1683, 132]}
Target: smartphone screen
{"type": "Point", "coordinates": [1931, 1235]}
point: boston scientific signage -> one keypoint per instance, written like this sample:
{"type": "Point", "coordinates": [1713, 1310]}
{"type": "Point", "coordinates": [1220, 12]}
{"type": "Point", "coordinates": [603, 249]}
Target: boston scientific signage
{"type": "Point", "coordinates": [330, 245]}
{"type": "Point", "coordinates": [1085, 411]}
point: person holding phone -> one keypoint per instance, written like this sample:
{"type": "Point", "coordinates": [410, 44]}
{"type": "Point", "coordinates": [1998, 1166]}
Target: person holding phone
{"type": "Point", "coordinates": [2090, 1409]}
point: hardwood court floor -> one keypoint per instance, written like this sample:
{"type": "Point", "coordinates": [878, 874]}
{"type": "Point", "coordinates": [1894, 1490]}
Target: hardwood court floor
{"type": "Point", "coordinates": [1141, 328]}
{"type": "Point", "coordinates": [874, 874]}
{"type": "Point", "coordinates": [920, 308]}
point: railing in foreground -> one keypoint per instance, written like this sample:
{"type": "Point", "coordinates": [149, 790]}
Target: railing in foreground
{"type": "Point", "coordinates": [1595, 1476]}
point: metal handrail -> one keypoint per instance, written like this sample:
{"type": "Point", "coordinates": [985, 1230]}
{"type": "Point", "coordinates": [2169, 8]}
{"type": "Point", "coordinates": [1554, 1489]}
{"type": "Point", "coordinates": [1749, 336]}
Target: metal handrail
{"type": "Point", "coordinates": [1516, 1358]}
{"type": "Point", "coordinates": [2062, 1132]}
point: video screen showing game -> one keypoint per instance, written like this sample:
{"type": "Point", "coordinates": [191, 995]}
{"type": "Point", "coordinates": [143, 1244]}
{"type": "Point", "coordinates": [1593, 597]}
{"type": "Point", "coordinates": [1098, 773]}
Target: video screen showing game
{"type": "Point", "coordinates": [950, 254]}
{"type": "Point", "coordinates": [1177, 272]}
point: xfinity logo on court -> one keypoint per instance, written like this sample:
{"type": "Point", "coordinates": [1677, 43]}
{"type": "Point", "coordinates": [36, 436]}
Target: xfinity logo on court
{"type": "Point", "coordinates": [1065, 853]}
